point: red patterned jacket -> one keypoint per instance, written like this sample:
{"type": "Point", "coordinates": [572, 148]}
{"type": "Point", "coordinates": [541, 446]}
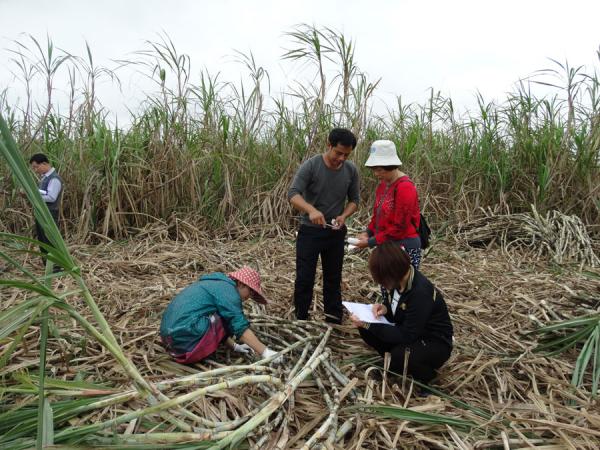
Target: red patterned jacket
{"type": "Point", "coordinates": [396, 213]}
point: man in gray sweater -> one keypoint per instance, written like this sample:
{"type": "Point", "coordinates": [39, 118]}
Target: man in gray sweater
{"type": "Point", "coordinates": [326, 191]}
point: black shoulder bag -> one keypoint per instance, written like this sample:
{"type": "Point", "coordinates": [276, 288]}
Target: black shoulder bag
{"type": "Point", "coordinates": [423, 229]}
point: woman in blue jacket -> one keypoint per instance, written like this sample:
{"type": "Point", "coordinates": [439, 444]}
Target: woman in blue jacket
{"type": "Point", "coordinates": [209, 311]}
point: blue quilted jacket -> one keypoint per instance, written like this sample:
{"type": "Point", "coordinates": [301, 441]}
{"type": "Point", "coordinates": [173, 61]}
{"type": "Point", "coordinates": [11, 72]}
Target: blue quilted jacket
{"type": "Point", "coordinates": [187, 317]}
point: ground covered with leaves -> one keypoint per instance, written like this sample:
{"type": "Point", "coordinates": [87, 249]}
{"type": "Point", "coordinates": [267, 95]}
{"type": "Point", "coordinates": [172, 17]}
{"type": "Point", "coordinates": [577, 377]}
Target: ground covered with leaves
{"type": "Point", "coordinates": [494, 392]}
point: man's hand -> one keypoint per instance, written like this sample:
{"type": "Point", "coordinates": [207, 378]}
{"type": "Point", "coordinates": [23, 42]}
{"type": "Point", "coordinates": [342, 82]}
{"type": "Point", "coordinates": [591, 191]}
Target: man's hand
{"type": "Point", "coordinates": [339, 222]}
{"type": "Point", "coordinates": [379, 310]}
{"type": "Point", "coordinates": [314, 215]}
{"type": "Point", "coordinates": [317, 217]}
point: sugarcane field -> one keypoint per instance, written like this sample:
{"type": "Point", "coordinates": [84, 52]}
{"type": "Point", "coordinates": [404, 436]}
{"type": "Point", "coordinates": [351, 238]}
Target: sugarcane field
{"type": "Point", "coordinates": [235, 268]}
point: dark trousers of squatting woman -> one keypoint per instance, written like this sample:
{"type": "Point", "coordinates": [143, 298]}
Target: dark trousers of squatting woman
{"type": "Point", "coordinates": [424, 358]}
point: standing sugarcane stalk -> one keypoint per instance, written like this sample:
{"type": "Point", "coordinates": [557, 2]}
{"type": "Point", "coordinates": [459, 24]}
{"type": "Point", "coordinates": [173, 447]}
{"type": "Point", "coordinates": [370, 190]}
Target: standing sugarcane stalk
{"type": "Point", "coordinates": [45, 429]}
{"type": "Point", "coordinates": [405, 368]}
{"type": "Point", "coordinates": [386, 365]}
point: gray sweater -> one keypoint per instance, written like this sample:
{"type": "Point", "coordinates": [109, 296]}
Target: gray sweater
{"type": "Point", "coordinates": [324, 188]}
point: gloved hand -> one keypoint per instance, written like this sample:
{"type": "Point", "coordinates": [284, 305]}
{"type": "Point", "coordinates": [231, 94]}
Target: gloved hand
{"type": "Point", "coordinates": [242, 348]}
{"type": "Point", "coordinates": [267, 353]}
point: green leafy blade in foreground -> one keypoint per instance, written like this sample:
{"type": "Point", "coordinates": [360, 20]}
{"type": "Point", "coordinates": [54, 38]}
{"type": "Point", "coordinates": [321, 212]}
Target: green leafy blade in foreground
{"type": "Point", "coordinates": [561, 336]}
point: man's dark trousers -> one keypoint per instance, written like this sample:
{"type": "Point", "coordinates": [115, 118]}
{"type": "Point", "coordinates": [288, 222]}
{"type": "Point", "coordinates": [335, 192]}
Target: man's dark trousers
{"type": "Point", "coordinates": [41, 236]}
{"type": "Point", "coordinates": [329, 244]}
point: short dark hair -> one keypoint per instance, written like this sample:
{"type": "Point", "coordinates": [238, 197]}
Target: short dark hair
{"type": "Point", "coordinates": [388, 264]}
{"type": "Point", "coordinates": [386, 168]}
{"type": "Point", "coordinates": [39, 158]}
{"type": "Point", "coordinates": [342, 136]}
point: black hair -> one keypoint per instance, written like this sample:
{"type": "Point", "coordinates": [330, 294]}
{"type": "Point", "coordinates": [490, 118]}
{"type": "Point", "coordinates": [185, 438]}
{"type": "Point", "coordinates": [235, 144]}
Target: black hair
{"type": "Point", "coordinates": [342, 136]}
{"type": "Point", "coordinates": [386, 168]}
{"type": "Point", "coordinates": [388, 264]}
{"type": "Point", "coordinates": [39, 158]}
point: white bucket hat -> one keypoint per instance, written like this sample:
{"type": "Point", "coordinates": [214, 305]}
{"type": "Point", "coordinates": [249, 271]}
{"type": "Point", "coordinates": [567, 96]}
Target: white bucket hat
{"type": "Point", "coordinates": [383, 153]}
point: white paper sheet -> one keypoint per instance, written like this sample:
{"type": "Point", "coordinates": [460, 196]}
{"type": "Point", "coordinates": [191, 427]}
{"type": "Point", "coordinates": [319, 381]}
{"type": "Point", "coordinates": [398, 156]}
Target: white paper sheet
{"type": "Point", "coordinates": [365, 313]}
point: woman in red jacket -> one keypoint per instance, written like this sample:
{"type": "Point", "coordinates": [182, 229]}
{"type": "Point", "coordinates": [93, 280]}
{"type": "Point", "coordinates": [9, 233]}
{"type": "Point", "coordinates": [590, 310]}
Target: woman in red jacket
{"type": "Point", "coordinates": [396, 213]}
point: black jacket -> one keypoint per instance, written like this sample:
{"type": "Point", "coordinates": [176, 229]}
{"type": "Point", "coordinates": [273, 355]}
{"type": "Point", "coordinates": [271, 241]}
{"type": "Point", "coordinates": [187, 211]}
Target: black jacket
{"type": "Point", "coordinates": [421, 314]}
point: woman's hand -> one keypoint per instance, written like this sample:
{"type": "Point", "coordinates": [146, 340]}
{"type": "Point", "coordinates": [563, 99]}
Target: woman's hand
{"type": "Point", "coordinates": [379, 310]}
{"type": "Point", "coordinates": [249, 338]}
{"type": "Point", "coordinates": [268, 353]}
{"type": "Point", "coordinates": [356, 322]}
{"type": "Point", "coordinates": [242, 348]}
{"type": "Point", "coordinates": [363, 242]}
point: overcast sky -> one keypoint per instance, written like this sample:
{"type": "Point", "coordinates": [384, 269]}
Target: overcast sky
{"type": "Point", "coordinates": [458, 47]}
